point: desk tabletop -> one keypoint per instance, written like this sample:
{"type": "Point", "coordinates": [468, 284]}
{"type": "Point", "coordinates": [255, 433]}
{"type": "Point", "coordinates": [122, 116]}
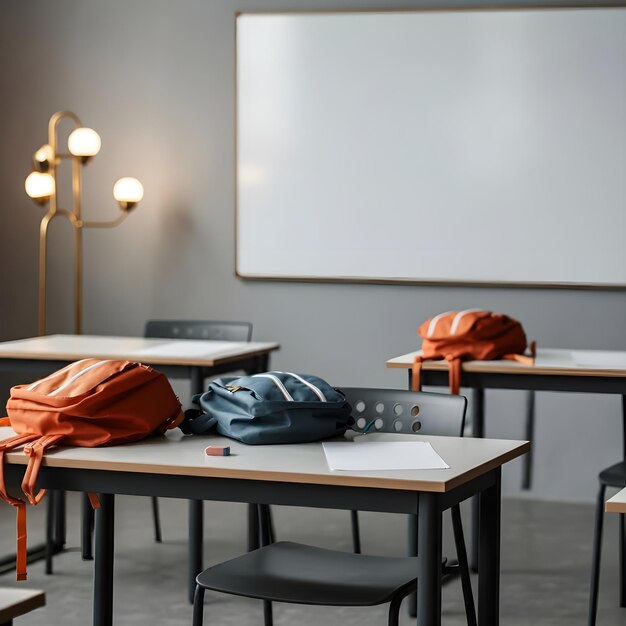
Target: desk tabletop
{"type": "Point", "coordinates": [617, 504]}
{"type": "Point", "coordinates": [189, 352]}
{"type": "Point", "coordinates": [549, 361]}
{"type": "Point", "coordinates": [177, 454]}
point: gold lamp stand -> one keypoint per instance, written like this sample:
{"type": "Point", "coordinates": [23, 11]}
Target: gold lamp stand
{"type": "Point", "coordinates": [41, 186]}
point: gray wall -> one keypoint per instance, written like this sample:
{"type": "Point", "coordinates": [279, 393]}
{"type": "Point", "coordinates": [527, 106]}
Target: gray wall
{"type": "Point", "coordinates": [156, 79]}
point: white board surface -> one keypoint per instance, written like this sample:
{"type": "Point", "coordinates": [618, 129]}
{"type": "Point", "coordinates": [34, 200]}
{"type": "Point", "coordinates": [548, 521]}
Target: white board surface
{"type": "Point", "coordinates": [455, 146]}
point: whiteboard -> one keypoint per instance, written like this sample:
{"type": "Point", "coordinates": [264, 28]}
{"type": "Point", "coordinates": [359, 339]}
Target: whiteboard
{"type": "Point", "coordinates": [470, 146]}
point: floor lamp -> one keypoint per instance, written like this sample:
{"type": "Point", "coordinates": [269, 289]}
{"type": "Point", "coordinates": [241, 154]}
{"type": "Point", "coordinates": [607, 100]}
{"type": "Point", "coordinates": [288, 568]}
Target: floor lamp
{"type": "Point", "coordinates": [41, 185]}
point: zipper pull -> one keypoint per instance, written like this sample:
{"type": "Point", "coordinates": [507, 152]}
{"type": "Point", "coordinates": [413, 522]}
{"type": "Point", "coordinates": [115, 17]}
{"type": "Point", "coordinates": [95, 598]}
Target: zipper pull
{"type": "Point", "coordinates": [233, 388]}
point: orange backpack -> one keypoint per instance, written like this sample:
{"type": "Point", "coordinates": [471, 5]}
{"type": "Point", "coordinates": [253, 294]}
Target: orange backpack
{"type": "Point", "coordinates": [470, 335]}
{"type": "Point", "coordinates": [88, 403]}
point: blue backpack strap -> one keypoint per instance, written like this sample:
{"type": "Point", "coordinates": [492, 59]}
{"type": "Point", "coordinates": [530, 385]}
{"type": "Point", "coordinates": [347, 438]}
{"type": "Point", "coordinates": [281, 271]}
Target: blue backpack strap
{"type": "Point", "coordinates": [196, 422]}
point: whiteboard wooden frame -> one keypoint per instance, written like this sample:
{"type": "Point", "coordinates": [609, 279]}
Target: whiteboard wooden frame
{"type": "Point", "coordinates": [401, 280]}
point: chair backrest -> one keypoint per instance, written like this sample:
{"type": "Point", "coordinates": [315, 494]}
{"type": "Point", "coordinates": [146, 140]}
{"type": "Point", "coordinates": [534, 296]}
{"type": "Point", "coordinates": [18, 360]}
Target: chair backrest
{"type": "Point", "coordinates": [198, 329]}
{"type": "Point", "coordinates": [398, 411]}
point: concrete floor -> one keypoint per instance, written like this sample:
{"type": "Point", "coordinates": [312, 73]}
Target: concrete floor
{"type": "Point", "coordinates": [545, 566]}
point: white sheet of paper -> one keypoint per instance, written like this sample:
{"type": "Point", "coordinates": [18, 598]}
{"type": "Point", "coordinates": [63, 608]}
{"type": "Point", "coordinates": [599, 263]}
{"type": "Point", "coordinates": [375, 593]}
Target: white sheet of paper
{"type": "Point", "coordinates": [189, 347]}
{"type": "Point", "coordinates": [600, 358]}
{"type": "Point", "coordinates": [382, 455]}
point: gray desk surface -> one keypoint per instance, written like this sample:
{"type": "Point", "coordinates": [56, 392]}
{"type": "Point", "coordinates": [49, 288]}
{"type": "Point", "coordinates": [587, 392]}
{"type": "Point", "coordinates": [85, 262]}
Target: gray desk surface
{"type": "Point", "coordinates": [177, 454]}
{"type": "Point", "coordinates": [189, 352]}
{"type": "Point", "coordinates": [549, 361]}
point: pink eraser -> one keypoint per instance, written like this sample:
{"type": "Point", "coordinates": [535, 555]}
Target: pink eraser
{"type": "Point", "coordinates": [217, 450]}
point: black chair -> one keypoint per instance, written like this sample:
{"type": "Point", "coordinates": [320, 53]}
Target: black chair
{"type": "Point", "coordinates": [300, 574]}
{"type": "Point", "coordinates": [614, 476]}
{"type": "Point", "coordinates": [192, 329]}
{"type": "Point", "coordinates": [189, 329]}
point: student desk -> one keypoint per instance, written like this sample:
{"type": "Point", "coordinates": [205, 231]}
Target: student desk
{"type": "Point", "coordinates": [617, 504]}
{"type": "Point", "coordinates": [192, 359]}
{"type": "Point", "coordinates": [586, 371]}
{"type": "Point", "coordinates": [175, 466]}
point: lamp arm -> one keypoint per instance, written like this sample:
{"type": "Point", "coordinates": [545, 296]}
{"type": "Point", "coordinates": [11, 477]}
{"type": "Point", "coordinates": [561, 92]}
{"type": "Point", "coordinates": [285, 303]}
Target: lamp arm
{"type": "Point", "coordinates": [120, 218]}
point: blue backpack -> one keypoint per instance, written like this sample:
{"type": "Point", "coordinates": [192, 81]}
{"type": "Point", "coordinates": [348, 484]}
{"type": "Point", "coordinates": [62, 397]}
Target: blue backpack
{"type": "Point", "coordinates": [268, 408]}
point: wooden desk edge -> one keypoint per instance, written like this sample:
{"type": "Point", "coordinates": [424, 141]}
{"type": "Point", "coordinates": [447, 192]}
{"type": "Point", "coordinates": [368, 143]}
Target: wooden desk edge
{"type": "Point", "coordinates": [148, 360]}
{"type": "Point", "coordinates": [617, 504]}
{"type": "Point", "coordinates": [20, 607]}
{"type": "Point", "coordinates": [483, 367]}
{"type": "Point", "coordinates": [498, 461]}
{"type": "Point", "coordinates": [338, 479]}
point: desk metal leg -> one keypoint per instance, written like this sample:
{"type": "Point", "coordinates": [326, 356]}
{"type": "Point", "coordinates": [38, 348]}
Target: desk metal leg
{"type": "Point", "coordinates": [527, 472]}
{"type": "Point", "coordinates": [413, 532]}
{"type": "Point", "coordinates": [59, 522]}
{"type": "Point", "coordinates": [254, 540]}
{"type": "Point", "coordinates": [622, 525]}
{"type": "Point", "coordinates": [86, 520]}
{"type": "Point", "coordinates": [429, 561]}
{"type": "Point", "coordinates": [489, 562]}
{"type": "Point", "coordinates": [50, 509]}
{"type": "Point", "coordinates": [478, 430]}
{"type": "Point", "coordinates": [196, 525]}
{"type": "Point", "coordinates": [196, 520]}
{"type": "Point", "coordinates": [103, 569]}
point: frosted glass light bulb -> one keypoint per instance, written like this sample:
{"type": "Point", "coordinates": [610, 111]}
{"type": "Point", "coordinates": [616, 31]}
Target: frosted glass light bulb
{"type": "Point", "coordinates": [39, 186]}
{"type": "Point", "coordinates": [128, 191]}
{"type": "Point", "coordinates": [43, 157]}
{"type": "Point", "coordinates": [84, 142]}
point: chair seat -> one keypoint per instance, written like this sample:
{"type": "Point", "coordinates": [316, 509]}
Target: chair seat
{"type": "Point", "coordinates": [614, 476]}
{"type": "Point", "coordinates": [292, 572]}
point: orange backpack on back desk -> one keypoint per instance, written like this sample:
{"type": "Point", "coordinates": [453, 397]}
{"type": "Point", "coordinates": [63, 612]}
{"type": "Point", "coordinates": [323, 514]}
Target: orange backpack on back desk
{"type": "Point", "coordinates": [88, 403]}
{"type": "Point", "coordinates": [470, 335]}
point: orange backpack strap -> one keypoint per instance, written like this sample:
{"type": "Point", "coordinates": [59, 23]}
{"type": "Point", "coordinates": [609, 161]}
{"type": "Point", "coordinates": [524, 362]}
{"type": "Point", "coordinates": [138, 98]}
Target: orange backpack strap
{"type": "Point", "coordinates": [5, 446]}
{"type": "Point", "coordinates": [416, 373]}
{"type": "Point", "coordinates": [35, 451]}
{"type": "Point", "coordinates": [524, 359]}
{"type": "Point", "coordinates": [454, 364]}
{"type": "Point", "coordinates": [94, 500]}
{"type": "Point", "coordinates": [171, 422]}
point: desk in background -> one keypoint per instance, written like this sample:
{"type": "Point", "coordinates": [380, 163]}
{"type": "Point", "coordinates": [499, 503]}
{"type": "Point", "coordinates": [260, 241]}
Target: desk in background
{"type": "Point", "coordinates": [192, 359]}
{"type": "Point", "coordinates": [576, 371]}
{"type": "Point", "coordinates": [175, 466]}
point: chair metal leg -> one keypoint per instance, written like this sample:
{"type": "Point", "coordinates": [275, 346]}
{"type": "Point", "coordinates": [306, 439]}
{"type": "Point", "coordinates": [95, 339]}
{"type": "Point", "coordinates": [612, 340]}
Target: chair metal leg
{"type": "Point", "coordinates": [356, 535]}
{"type": "Point", "coordinates": [622, 560]}
{"type": "Point", "coordinates": [461, 554]}
{"type": "Point", "coordinates": [268, 617]}
{"type": "Point", "coordinates": [595, 562]}
{"type": "Point", "coordinates": [87, 524]}
{"type": "Point", "coordinates": [394, 611]}
{"type": "Point", "coordinates": [198, 606]}
{"type": "Point", "coordinates": [156, 517]}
